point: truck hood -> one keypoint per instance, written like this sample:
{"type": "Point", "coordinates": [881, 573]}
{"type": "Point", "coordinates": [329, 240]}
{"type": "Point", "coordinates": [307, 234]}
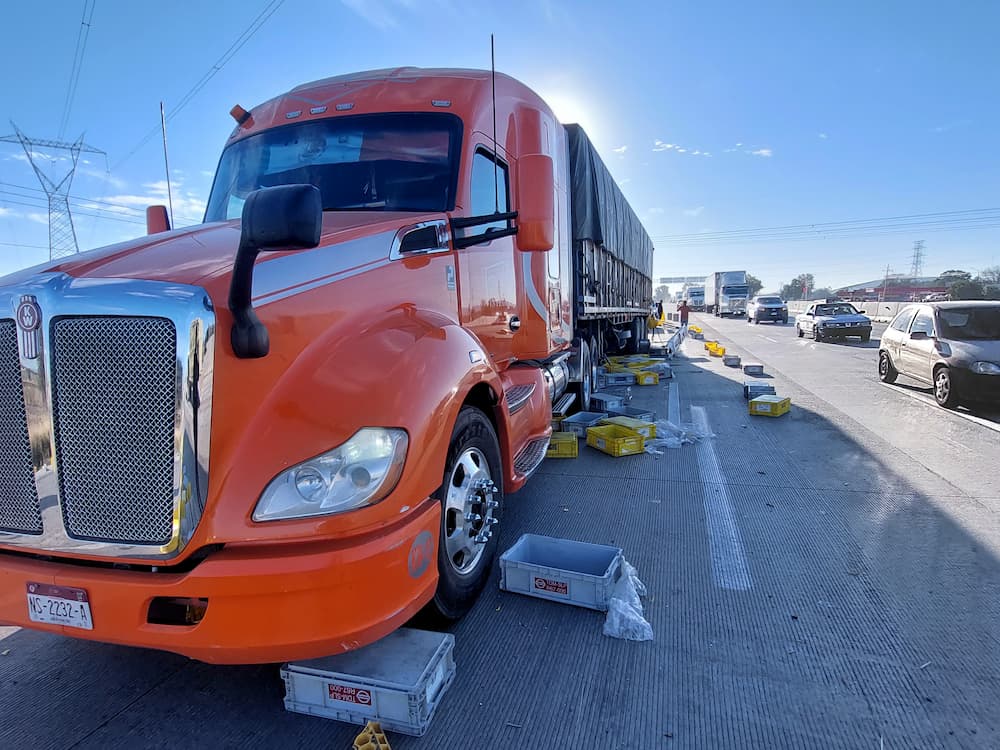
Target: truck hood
{"type": "Point", "coordinates": [843, 319]}
{"type": "Point", "coordinates": [203, 253]}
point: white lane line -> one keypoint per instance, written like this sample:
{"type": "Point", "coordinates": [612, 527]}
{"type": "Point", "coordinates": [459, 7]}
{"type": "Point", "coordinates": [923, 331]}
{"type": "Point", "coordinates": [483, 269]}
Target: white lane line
{"type": "Point", "coordinates": [729, 563]}
{"type": "Point", "coordinates": [773, 341]}
{"type": "Point", "coordinates": [674, 402]}
{"type": "Point", "coordinates": [929, 401]}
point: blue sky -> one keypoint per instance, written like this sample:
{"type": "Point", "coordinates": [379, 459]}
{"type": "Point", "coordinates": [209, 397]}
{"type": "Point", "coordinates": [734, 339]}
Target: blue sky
{"type": "Point", "coordinates": [800, 113]}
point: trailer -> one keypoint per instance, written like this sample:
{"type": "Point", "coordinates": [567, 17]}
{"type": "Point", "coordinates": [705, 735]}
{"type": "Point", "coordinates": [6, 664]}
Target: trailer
{"type": "Point", "coordinates": [726, 293]}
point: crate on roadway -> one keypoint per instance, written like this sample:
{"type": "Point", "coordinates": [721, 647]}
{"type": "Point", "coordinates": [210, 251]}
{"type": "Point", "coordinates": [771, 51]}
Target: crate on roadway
{"type": "Point", "coordinates": [754, 388]}
{"type": "Point", "coordinates": [643, 415]}
{"type": "Point", "coordinates": [563, 445]}
{"type": "Point", "coordinates": [770, 406]}
{"type": "Point", "coordinates": [561, 570]}
{"type": "Point", "coordinates": [606, 401]}
{"type": "Point", "coordinates": [397, 681]}
{"type": "Point", "coordinates": [615, 440]}
{"type": "Point", "coordinates": [580, 421]}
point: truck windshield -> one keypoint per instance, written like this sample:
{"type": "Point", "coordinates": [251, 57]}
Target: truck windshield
{"type": "Point", "coordinates": [736, 291]}
{"type": "Point", "coordinates": [384, 162]}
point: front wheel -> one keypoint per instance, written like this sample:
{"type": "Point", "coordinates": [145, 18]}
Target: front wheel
{"type": "Point", "coordinates": [817, 335]}
{"type": "Point", "coordinates": [471, 497]}
{"type": "Point", "coordinates": [799, 331]}
{"type": "Point", "coordinates": [588, 375]}
{"type": "Point", "coordinates": [887, 372]}
{"type": "Point", "coordinates": [944, 389]}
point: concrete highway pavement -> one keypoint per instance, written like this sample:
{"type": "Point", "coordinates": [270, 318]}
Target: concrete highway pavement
{"type": "Point", "coordinates": [843, 375]}
{"type": "Point", "coordinates": [828, 579]}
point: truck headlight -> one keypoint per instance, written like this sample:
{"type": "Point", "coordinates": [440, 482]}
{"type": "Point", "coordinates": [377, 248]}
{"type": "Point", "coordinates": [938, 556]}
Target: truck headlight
{"type": "Point", "coordinates": [986, 368]}
{"type": "Point", "coordinates": [360, 472]}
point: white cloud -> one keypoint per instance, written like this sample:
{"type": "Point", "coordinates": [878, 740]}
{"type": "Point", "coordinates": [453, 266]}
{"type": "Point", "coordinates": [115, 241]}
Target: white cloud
{"type": "Point", "coordinates": [377, 13]}
{"type": "Point", "coordinates": [38, 218]}
{"type": "Point", "coordinates": [620, 149]}
{"type": "Point", "coordinates": [739, 145]}
{"type": "Point", "coordinates": [206, 173]}
{"type": "Point", "coordinates": [705, 153]}
{"type": "Point", "coordinates": [694, 211]}
{"type": "Point", "coordinates": [696, 152]}
{"type": "Point", "coordinates": [6, 212]}
{"type": "Point", "coordinates": [626, 181]}
{"type": "Point", "coordinates": [763, 152]}
{"type": "Point", "coordinates": [655, 210]}
{"type": "Point", "coordinates": [659, 145]}
{"type": "Point", "coordinates": [729, 150]}
{"type": "Point", "coordinates": [823, 136]}
{"type": "Point", "coordinates": [682, 151]}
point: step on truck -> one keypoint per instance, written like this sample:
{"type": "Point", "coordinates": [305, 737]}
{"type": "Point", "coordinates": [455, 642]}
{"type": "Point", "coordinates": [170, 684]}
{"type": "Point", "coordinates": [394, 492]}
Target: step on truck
{"type": "Point", "coordinates": [281, 433]}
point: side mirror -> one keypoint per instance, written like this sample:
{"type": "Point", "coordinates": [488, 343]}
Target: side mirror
{"type": "Point", "coordinates": [535, 203]}
{"type": "Point", "coordinates": [287, 217]}
{"type": "Point", "coordinates": [157, 220]}
{"type": "Point", "coordinates": [919, 336]}
{"type": "Point", "coordinates": [809, 314]}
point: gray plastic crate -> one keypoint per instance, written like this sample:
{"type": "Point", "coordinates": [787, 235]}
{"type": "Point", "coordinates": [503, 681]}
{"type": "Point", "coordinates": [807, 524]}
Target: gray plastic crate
{"type": "Point", "coordinates": [630, 411]}
{"type": "Point", "coordinates": [754, 388]}
{"type": "Point", "coordinates": [580, 421]}
{"type": "Point", "coordinates": [731, 360]}
{"type": "Point", "coordinates": [619, 378]}
{"type": "Point", "coordinates": [606, 401]}
{"type": "Point", "coordinates": [397, 681]}
{"type": "Point", "coordinates": [753, 368]}
{"type": "Point", "coordinates": [561, 570]}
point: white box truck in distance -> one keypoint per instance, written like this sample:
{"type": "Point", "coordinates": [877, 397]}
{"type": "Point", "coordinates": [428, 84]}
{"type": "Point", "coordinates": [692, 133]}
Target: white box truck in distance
{"type": "Point", "coordinates": [726, 293]}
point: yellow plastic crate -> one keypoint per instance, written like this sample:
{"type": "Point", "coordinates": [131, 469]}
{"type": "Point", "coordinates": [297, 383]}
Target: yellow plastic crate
{"type": "Point", "coordinates": [770, 406]}
{"type": "Point", "coordinates": [642, 365]}
{"type": "Point", "coordinates": [717, 351]}
{"type": "Point", "coordinates": [694, 329]}
{"type": "Point", "coordinates": [644, 428]}
{"type": "Point", "coordinates": [563, 445]}
{"type": "Point", "coordinates": [615, 367]}
{"type": "Point", "coordinates": [709, 345]}
{"type": "Point", "coordinates": [615, 440]}
{"type": "Point", "coordinates": [647, 378]}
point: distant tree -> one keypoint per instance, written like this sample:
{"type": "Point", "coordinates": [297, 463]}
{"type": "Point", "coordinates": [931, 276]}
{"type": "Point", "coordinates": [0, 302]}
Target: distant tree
{"type": "Point", "coordinates": [662, 293]}
{"type": "Point", "coordinates": [989, 275]}
{"type": "Point", "coordinates": [754, 285]}
{"type": "Point", "coordinates": [953, 275]}
{"type": "Point", "coordinates": [822, 293]}
{"type": "Point", "coordinates": [966, 289]}
{"type": "Point", "coordinates": [794, 289]}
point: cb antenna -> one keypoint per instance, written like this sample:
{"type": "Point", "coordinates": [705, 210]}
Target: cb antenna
{"type": "Point", "coordinates": [496, 166]}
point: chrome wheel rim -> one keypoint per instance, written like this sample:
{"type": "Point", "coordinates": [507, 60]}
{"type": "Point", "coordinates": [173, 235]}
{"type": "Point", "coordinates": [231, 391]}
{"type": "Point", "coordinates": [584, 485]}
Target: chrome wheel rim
{"type": "Point", "coordinates": [586, 374]}
{"type": "Point", "coordinates": [469, 510]}
{"type": "Point", "coordinates": [883, 365]}
{"type": "Point", "coordinates": [942, 386]}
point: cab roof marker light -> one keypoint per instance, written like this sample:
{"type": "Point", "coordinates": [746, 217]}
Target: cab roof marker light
{"type": "Point", "coordinates": [317, 110]}
{"type": "Point", "coordinates": [345, 107]}
{"type": "Point", "coordinates": [441, 102]}
{"type": "Point", "coordinates": [293, 115]}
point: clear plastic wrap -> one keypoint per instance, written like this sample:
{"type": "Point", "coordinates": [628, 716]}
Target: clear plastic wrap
{"type": "Point", "coordinates": [625, 619]}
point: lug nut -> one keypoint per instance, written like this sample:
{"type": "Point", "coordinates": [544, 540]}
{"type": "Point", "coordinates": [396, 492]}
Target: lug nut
{"type": "Point", "coordinates": [473, 518]}
{"type": "Point", "coordinates": [493, 504]}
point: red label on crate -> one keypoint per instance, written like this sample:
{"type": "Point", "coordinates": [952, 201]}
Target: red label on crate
{"type": "Point", "coordinates": [349, 694]}
{"type": "Point", "coordinates": [554, 587]}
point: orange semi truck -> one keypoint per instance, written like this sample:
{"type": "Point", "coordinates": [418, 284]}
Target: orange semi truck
{"type": "Point", "coordinates": [283, 432]}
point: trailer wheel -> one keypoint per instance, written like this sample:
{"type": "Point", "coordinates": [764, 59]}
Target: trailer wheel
{"type": "Point", "coordinates": [472, 500]}
{"type": "Point", "coordinates": [635, 329]}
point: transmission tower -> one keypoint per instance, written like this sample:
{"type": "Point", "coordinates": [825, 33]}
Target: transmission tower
{"type": "Point", "coordinates": [62, 235]}
{"type": "Point", "coordinates": [917, 264]}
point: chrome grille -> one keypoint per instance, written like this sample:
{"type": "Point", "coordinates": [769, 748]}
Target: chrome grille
{"type": "Point", "coordinates": [114, 392]}
{"type": "Point", "coordinates": [19, 507]}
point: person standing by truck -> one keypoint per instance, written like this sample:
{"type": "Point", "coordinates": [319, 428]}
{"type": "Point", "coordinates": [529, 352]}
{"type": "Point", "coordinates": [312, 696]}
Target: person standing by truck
{"type": "Point", "coordinates": [685, 312]}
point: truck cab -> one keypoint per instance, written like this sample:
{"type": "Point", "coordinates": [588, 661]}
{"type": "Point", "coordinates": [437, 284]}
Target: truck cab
{"type": "Point", "coordinates": [281, 433]}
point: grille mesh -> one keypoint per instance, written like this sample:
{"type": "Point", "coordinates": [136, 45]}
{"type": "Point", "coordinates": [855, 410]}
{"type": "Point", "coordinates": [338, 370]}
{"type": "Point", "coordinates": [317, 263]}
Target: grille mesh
{"type": "Point", "coordinates": [19, 509]}
{"type": "Point", "coordinates": [114, 383]}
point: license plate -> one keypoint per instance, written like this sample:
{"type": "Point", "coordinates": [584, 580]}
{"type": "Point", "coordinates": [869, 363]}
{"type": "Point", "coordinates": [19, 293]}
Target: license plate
{"type": "Point", "coordinates": [59, 605]}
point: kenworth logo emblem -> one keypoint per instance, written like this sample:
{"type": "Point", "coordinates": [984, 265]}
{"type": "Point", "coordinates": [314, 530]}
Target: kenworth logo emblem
{"type": "Point", "coordinates": [29, 321]}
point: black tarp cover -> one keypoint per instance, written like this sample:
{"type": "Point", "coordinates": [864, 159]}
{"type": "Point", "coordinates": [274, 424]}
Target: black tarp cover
{"type": "Point", "coordinates": [600, 212]}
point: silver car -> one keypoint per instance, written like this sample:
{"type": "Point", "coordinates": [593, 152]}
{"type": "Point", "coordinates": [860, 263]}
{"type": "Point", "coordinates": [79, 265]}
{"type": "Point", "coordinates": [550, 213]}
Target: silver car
{"type": "Point", "coordinates": [767, 307]}
{"type": "Point", "coordinates": [952, 346]}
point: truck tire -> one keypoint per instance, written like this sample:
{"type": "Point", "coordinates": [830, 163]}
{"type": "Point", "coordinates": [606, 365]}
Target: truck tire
{"type": "Point", "coordinates": [632, 343]}
{"type": "Point", "coordinates": [472, 488]}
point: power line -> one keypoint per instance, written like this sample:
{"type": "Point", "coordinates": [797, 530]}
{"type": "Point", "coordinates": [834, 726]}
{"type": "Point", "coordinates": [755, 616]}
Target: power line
{"type": "Point", "coordinates": [93, 203]}
{"type": "Point", "coordinates": [123, 219]}
{"type": "Point", "coordinates": [74, 76]}
{"type": "Point", "coordinates": [228, 55]}
{"type": "Point", "coordinates": [838, 226]}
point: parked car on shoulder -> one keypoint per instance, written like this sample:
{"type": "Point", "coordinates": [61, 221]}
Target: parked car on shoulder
{"type": "Point", "coordinates": [833, 320]}
{"type": "Point", "coordinates": [767, 307]}
{"type": "Point", "coordinates": [952, 346]}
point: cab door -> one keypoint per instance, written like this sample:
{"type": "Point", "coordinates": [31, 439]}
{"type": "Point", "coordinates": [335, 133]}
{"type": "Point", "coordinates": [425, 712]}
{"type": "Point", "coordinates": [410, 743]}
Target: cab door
{"type": "Point", "coordinates": [808, 320]}
{"type": "Point", "coordinates": [487, 280]}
